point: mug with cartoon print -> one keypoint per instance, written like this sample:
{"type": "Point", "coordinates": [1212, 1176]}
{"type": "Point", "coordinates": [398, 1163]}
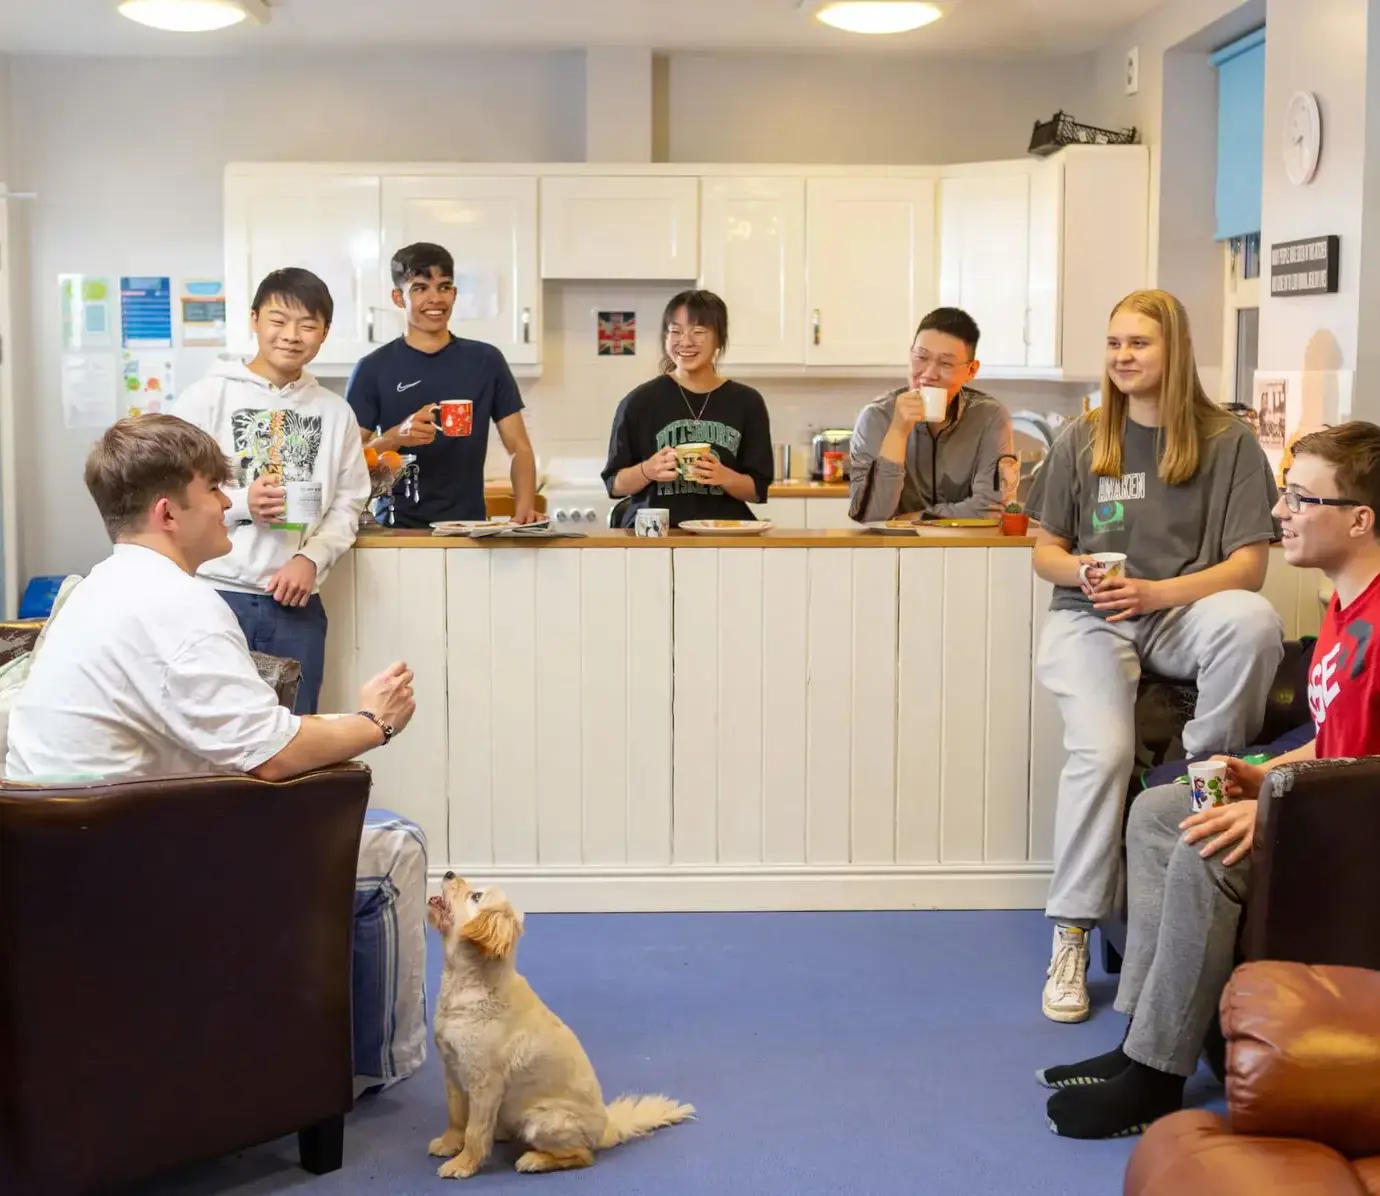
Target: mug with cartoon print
{"type": "Point", "coordinates": [1208, 783]}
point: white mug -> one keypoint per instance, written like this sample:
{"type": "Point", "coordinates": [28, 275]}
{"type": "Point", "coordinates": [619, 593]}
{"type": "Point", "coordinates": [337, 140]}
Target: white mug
{"type": "Point", "coordinates": [936, 400]}
{"type": "Point", "coordinates": [303, 503]}
{"type": "Point", "coordinates": [652, 522]}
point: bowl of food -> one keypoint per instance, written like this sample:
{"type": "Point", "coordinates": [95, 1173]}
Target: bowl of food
{"type": "Point", "coordinates": [385, 470]}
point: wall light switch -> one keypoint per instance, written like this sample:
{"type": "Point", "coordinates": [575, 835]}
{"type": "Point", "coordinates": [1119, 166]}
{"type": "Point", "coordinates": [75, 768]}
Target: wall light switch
{"type": "Point", "coordinates": [1132, 70]}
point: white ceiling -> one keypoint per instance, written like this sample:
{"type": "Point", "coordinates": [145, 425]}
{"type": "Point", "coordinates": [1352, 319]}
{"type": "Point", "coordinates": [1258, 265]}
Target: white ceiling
{"type": "Point", "coordinates": [1042, 28]}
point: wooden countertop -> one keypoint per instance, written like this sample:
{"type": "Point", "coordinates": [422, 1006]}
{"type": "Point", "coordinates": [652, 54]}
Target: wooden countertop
{"type": "Point", "coordinates": [947, 537]}
{"type": "Point", "coordinates": [803, 489]}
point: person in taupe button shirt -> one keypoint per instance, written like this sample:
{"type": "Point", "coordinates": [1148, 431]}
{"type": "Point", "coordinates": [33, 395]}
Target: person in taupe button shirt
{"type": "Point", "coordinates": [964, 466]}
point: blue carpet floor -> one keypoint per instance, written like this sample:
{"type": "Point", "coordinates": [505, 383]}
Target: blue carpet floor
{"type": "Point", "coordinates": [827, 1053]}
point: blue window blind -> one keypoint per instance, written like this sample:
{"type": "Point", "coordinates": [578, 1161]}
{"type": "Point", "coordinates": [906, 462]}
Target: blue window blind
{"type": "Point", "coordinates": [1240, 134]}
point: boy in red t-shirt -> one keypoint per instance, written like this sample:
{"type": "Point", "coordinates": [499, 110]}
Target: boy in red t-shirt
{"type": "Point", "coordinates": [1188, 875]}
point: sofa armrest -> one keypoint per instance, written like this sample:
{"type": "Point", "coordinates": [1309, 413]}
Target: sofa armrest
{"type": "Point", "coordinates": [1195, 1153]}
{"type": "Point", "coordinates": [1315, 888]}
{"type": "Point", "coordinates": [1303, 1054]}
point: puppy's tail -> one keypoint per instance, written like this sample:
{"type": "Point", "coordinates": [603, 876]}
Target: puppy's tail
{"type": "Point", "coordinates": [635, 1116]}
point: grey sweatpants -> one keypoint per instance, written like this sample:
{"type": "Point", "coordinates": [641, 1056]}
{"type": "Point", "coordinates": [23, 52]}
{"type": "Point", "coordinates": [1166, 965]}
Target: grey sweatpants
{"type": "Point", "coordinates": [1231, 643]}
{"type": "Point", "coordinates": [1181, 938]}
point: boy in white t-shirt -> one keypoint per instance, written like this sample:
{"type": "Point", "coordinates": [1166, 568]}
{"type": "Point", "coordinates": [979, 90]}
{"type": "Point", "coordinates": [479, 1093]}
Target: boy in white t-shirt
{"type": "Point", "coordinates": [144, 672]}
{"type": "Point", "coordinates": [299, 483]}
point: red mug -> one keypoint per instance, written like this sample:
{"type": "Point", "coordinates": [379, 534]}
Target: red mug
{"type": "Point", "coordinates": [457, 417]}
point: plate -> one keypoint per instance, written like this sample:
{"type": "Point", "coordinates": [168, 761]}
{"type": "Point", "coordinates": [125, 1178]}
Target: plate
{"type": "Point", "coordinates": [466, 525]}
{"type": "Point", "coordinates": [893, 527]}
{"type": "Point", "coordinates": [727, 527]}
{"type": "Point", "coordinates": [961, 523]}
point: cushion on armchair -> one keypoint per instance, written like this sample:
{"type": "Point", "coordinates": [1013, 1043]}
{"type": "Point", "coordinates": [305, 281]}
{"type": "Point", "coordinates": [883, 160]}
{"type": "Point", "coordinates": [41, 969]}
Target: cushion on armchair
{"type": "Point", "coordinates": [1304, 1054]}
{"type": "Point", "coordinates": [20, 637]}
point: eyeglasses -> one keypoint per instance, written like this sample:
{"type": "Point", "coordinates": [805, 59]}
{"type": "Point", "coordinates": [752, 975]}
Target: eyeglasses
{"type": "Point", "coordinates": [696, 335]}
{"type": "Point", "coordinates": [1296, 501]}
{"type": "Point", "coordinates": [943, 366]}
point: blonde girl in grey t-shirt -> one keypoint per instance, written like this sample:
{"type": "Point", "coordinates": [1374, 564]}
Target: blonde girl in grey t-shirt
{"type": "Point", "coordinates": [1181, 487]}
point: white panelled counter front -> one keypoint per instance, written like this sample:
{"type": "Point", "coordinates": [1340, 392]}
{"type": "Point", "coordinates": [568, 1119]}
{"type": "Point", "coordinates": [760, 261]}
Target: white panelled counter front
{"type": "Point", "coordinates": [799, 720]}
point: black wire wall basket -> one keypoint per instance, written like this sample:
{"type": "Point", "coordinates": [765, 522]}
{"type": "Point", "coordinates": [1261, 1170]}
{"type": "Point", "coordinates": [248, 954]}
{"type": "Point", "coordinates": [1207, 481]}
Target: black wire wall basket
{"type": "Point", "coordinates": [1061, 130]}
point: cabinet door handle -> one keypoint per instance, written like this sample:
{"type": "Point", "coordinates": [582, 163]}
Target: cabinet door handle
{"type": "Point", "coordinates": [369, 324]}
{"type": "Point", "coordinates": [1027, 328]}
{"type": "Point", "coordinates": [816, 325]}
{"type": "Point", "coordinates": [526, 325]}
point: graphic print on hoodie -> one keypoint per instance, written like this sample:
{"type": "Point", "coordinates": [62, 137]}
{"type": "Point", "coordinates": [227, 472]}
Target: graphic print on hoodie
{"type": "Point", "coordinates": [281, 443]}
{"type": "Point", "coordinates": [301, 433]}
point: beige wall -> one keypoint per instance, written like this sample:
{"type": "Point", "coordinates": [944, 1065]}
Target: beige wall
{"type": "Point", "coordinates": [1176, 114]}
{"type": "Point", "coordinates": [1322, 48]}
{"type": "Point", "coordinates": [125, 189]}
{"type": "Point", "coordinates": [5, 121]}
{"type": "Point", "coordinates": [870, 109]}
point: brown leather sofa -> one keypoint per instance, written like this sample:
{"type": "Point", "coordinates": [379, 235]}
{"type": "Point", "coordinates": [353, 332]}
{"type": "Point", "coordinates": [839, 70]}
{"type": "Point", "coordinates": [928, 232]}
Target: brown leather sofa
{"type": "Point", "coordinates": [175, 970]}
{"type": "Point", "coordinates": [1303, 1091]}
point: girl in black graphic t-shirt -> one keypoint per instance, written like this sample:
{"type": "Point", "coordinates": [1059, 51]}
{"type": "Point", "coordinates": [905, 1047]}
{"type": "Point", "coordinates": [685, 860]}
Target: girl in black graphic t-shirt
{"type": "Point", "coordinates": [690, 403]}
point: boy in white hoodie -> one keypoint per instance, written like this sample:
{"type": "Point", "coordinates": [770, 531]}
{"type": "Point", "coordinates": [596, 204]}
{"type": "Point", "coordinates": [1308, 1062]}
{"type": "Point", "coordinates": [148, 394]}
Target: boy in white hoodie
{"type": "Point", "coordinates": [281, 428]}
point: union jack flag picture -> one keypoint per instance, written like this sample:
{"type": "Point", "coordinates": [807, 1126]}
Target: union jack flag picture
{"type": "Point", "coordinates": [617, 333]}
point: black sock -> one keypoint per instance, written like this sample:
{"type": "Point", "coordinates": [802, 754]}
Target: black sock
{"type": "Point", "coordinates": [1089, 1071]}
{"type": "Point", "coordinates": [1118, 1107]}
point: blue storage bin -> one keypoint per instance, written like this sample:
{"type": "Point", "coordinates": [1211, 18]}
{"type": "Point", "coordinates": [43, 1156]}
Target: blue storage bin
{"type": "Point", "coordinates": [39, 596]}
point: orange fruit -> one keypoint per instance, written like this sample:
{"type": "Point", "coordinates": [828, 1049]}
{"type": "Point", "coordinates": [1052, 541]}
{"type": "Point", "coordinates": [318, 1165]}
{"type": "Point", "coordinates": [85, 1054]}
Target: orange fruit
{"type": "Point", "coordinates": [390, 460]}
{"type": "Point", "coordinates": [371, 458]}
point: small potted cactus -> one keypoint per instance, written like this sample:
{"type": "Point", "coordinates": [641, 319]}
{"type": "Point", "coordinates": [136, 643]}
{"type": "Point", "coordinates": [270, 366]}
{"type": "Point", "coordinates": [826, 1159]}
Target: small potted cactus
{"type": "Point", "coordinates": [1014, 520]}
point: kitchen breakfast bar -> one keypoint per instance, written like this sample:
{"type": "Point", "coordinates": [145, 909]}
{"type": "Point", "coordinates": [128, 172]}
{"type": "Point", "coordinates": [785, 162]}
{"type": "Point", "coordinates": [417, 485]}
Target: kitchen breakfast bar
{"type": "Point", "coordinates": [821, 719]}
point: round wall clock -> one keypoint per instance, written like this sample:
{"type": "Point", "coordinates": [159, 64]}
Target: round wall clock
{"type": "Point", "coordinates": [1302, 137]}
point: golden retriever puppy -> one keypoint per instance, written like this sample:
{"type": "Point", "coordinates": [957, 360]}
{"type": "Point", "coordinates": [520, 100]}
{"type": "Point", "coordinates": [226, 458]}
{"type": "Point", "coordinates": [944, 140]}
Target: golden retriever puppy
{"type": "Point", "coordinates": [514, 1070]}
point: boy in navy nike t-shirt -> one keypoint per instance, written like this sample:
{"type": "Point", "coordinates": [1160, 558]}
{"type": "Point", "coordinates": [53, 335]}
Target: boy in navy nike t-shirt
{"type": "Point", "coordinates": [435, 394]}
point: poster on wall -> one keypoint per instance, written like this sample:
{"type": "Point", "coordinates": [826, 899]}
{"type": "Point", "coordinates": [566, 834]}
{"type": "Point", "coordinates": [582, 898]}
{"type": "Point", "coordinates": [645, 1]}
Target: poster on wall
{"type": "Point", "coordinates": [90, 390]}
{"type": "Point", "coordinates": [89, 316]}
{"type": "Point", "coordinates": [1277, 398]}
{"type": "Point", "coordinates": [617, 333]}
{"type": "Point", "coordinates": [146, 311]}
{"type": "Point", "coordinates": [146, 383]}
{"type": "Point", "coordinates": [1271, 405]}
{"type": "Point", "coordinates": [203, 313]}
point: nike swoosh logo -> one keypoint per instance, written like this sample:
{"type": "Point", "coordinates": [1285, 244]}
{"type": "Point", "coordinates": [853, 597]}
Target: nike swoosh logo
{"type": "Point", "coordinates": [409, 386]}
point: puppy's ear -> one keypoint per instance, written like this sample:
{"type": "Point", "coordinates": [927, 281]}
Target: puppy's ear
{"type": "Point", "coordinates": [495, 927]}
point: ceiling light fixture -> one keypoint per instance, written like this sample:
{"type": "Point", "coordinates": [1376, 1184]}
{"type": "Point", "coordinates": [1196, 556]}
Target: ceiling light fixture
{"type": "Point", "coordinates": [879, 16]}
{"type": "Point", "coordinates": [194, 16]}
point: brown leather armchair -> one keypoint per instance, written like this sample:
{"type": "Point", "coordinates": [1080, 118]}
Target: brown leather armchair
{"type": "Point", "coordinates": [1303, 1092]}
{"type": "Point", "coordinates": [1301, 1017]}
{"type": "Point", "coordinates": [174, 974]}
{"type": "Point", "coordinates": [175, 966]}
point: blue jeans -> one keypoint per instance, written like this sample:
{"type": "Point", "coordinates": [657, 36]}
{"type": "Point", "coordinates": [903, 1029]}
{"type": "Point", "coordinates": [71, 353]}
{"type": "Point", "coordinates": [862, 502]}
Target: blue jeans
{"type": "Point", "coordinates": [294, 632]}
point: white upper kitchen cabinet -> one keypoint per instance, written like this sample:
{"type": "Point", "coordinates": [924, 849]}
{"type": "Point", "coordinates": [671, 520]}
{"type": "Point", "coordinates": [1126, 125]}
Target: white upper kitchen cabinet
{"type": "Point", "coordinates": [489, 225]}
{"type": "Point", "coordinates": [325, 221]}
{"type": "Point", "coordinates": [752, 255]}
{"type": "Point", "coordinates": [620, 227]}
{"type": "Point", "coordinates": [870, 262]}
{"type": "Point", "coordinates": [984, 260]}
{"type": "Point", "coordinates": [1090, 220]}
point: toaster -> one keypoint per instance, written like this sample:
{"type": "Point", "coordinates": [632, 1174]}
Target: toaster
{"type": "Point", "coordinates": [831, 441]}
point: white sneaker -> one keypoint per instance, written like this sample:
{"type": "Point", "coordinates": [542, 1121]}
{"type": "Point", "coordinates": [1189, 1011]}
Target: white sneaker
{"type": "Point", "coordinates": [1066, 990]}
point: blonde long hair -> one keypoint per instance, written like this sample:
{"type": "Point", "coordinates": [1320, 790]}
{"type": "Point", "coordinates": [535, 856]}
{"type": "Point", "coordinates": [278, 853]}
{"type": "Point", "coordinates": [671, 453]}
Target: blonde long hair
{"type": "Point", "coordinates": [1187, 415]}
